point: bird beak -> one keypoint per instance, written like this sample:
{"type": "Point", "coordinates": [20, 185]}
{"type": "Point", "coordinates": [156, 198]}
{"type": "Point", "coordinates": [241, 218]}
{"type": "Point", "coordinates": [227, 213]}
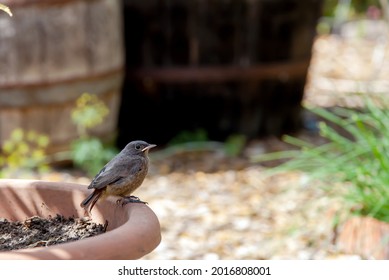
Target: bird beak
{"type": "Point", "coordinates": [148, 147]}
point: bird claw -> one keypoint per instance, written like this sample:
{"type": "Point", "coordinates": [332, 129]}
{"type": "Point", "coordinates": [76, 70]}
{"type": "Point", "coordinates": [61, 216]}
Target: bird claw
{"type": "Point", "coordinates": [129, 199]}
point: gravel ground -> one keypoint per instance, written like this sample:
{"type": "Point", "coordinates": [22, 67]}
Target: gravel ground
{"type": "Point", "coordinates": [214, 207]}
{"type": "Point", "coordinates": [239, 213]}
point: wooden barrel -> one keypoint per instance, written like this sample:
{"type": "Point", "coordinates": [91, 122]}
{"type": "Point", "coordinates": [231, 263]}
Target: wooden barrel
{"type": "Point", "coordinates": [50, 53]}
{"type": "Point", "coordinates": [227, 66]}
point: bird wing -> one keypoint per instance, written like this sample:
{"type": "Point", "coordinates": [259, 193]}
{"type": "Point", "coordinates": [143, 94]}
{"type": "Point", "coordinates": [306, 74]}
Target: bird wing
{"type": "Point", "coordinates": [113, 172]}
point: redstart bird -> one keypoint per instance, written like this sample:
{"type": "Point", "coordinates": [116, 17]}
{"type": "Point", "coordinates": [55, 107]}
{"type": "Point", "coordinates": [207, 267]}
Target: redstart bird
{"type": "Point", "coordinates": [121, 176]}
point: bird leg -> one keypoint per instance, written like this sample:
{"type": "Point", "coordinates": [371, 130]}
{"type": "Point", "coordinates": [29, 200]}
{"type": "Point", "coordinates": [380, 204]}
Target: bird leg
{"type": "Point", "coordinates": [105, 225]}
{"type": "Point", "coordinates": [129, 199]}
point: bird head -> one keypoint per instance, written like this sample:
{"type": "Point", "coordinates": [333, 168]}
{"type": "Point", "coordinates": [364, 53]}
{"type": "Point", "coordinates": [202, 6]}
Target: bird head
{"type": "Point", "coordinates": [140, 146]}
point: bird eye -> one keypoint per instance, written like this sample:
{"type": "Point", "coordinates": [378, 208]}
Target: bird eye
{"type": "Point", "coordinates": [137, 147]}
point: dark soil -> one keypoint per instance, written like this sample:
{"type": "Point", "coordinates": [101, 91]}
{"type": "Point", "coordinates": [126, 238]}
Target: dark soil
{"type": "Point", "coordinates": [41, 232]}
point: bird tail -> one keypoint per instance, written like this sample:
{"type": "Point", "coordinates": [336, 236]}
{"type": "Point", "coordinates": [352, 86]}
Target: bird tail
{"type": "Point", "coordinates": [91, 200]}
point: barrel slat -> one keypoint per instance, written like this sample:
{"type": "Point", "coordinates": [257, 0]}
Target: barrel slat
{"type": "Point", "coordinates": [53, 51]}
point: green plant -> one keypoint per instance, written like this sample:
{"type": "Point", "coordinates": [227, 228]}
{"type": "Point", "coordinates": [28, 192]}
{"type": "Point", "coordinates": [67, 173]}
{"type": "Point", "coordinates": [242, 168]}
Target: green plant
{"type": "Point", "coordinates": [185, 136]}
{"type": "Point", "coordinates": [234, 144]}
{"type": "Point", "coordinates": [88, 152]}
{"type": "Point", "coordinates": [337, 12]}
{"type": "Point", "coordinates": [23, 152]}
{"type": "Point", "coordinates": [358, 161]}
{"type": "Point", "coordinates": [198, 140]}
{"type": "Point", "coordinates": [89, 112]}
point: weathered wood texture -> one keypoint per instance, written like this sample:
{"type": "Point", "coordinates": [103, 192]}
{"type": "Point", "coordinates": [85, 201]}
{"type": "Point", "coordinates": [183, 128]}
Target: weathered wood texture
{"type": "Point", "coordinates": [229, 66]}
{"type": "Point", "coordinates": [50, 53]}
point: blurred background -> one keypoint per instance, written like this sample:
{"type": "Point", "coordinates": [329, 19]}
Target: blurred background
{"type": "Point", "coordinates": [215, 84]}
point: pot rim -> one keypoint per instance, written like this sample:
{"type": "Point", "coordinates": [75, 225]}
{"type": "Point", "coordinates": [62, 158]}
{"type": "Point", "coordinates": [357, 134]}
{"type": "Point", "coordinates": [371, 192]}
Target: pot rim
{"type": "Point", "coordinates": [137, 236]}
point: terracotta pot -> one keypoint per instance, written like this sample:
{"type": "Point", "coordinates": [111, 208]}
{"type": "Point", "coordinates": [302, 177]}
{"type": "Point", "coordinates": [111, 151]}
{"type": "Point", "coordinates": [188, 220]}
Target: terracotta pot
{"type": "Point", "coordinates": [365, 236]}
{"type": "Point", "coordinates": [133, 230]}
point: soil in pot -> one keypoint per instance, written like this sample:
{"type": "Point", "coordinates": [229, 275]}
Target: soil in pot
{"type": "Point", "coordinates": [41, 232]}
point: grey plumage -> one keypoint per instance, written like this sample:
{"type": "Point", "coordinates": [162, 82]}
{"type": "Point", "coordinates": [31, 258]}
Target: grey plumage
{"type": "Point", "coordinates": [122, 175]}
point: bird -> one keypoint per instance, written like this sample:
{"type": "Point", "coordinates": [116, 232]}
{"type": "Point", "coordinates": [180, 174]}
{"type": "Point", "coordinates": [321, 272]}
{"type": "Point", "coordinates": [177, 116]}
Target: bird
{"type": "Point", "coordinates": [121, 176]}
